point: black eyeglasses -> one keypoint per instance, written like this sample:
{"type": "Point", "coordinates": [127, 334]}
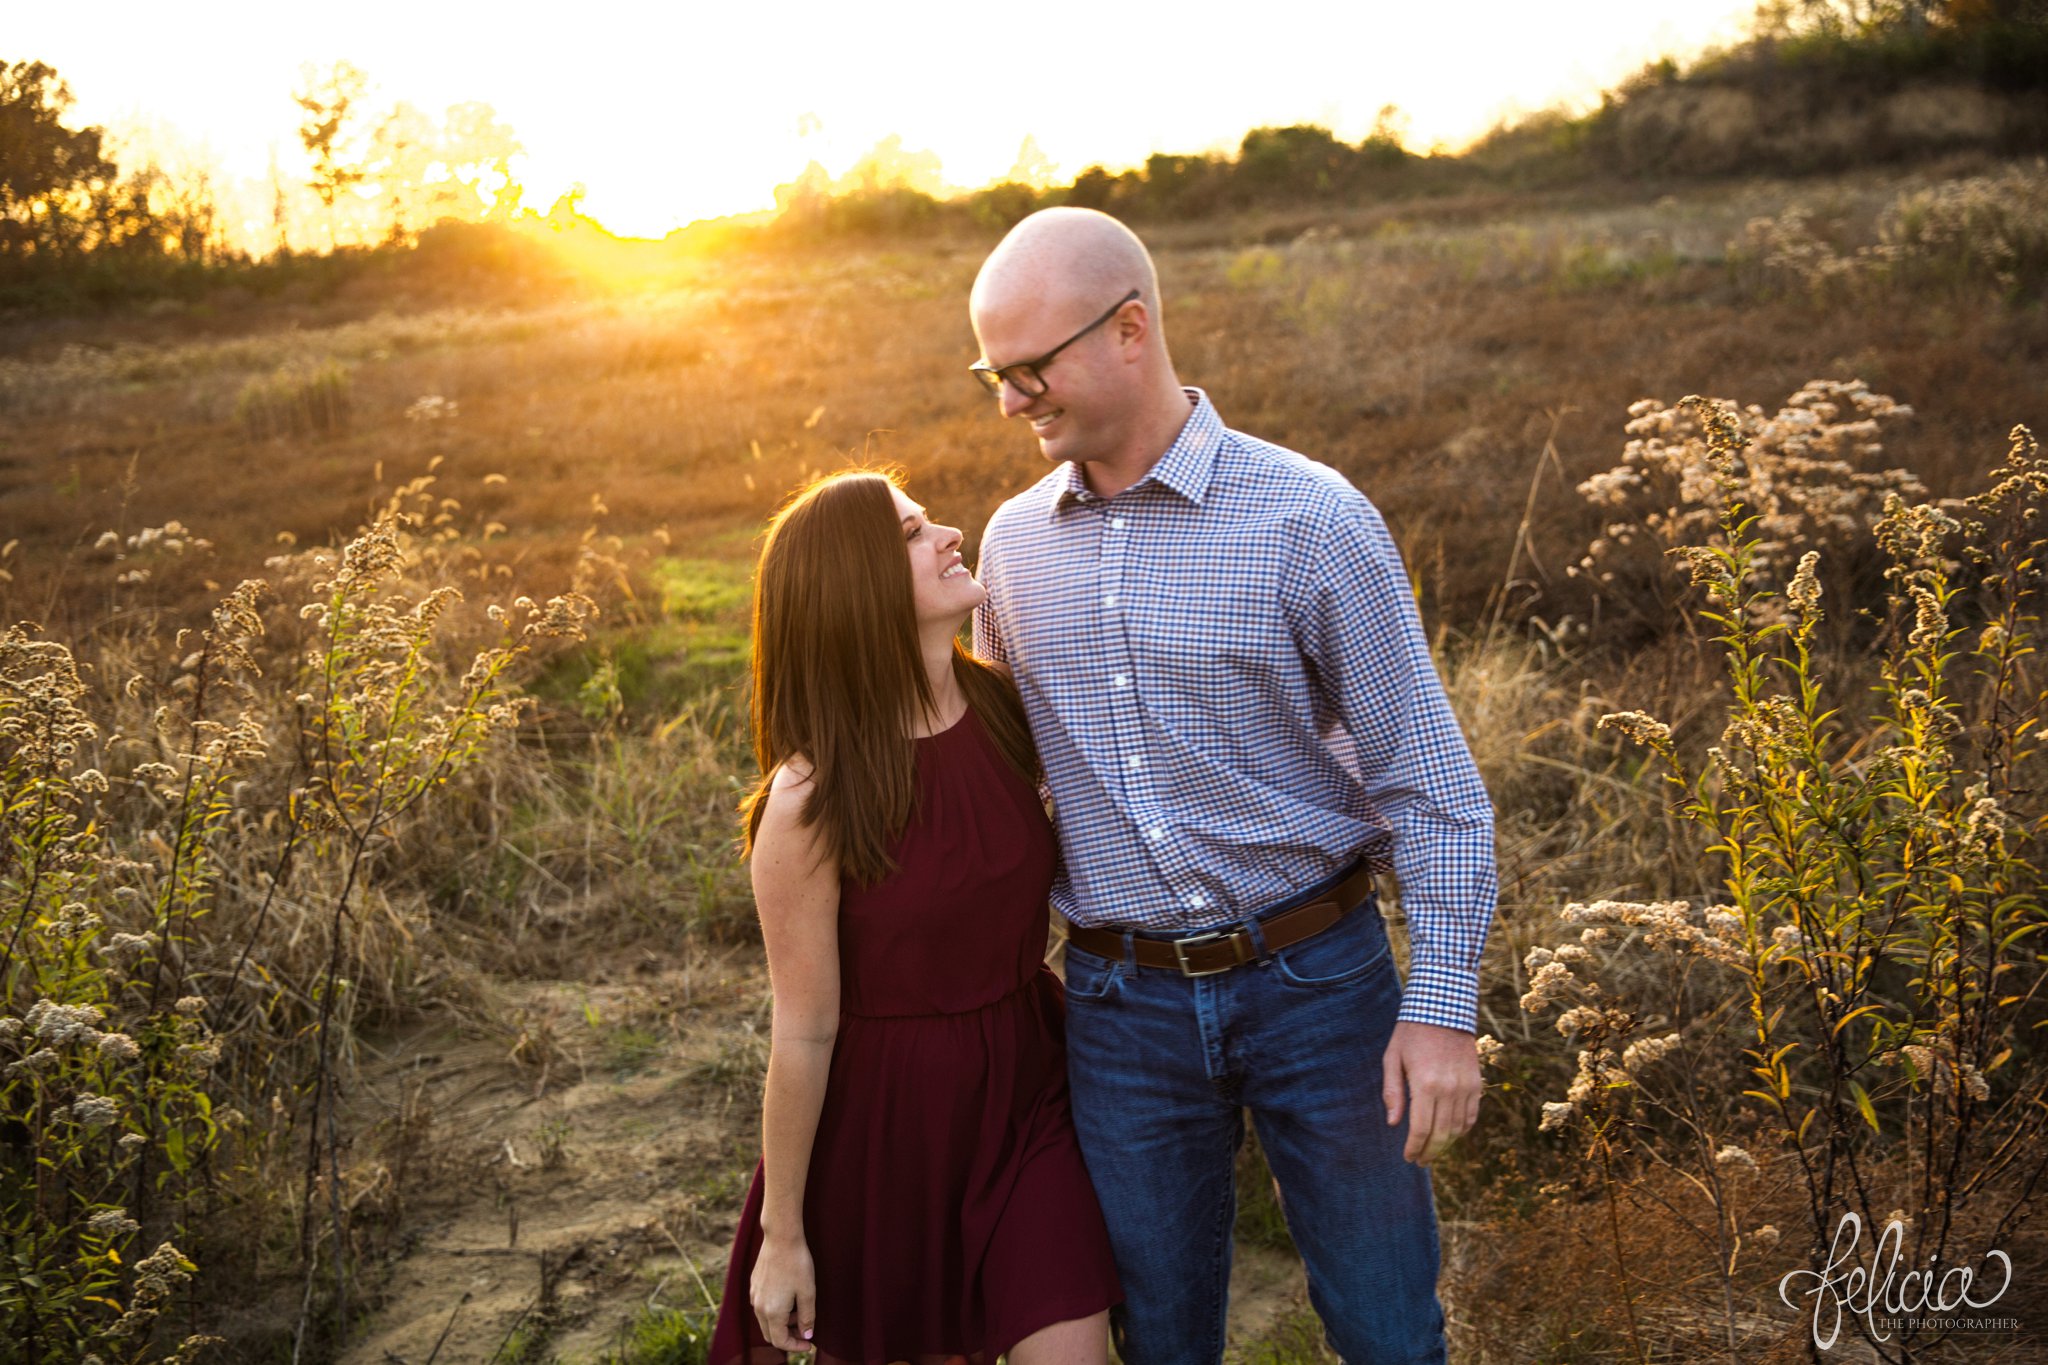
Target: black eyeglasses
{"type": "Point", "coordinates": [1024, 376]}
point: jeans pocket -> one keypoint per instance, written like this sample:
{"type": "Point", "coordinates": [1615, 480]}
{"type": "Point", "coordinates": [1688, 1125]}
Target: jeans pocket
{"type": "Point", "coordinates": [1090, 977]}
{"type": "Point", "coordinates": [1345, 951]}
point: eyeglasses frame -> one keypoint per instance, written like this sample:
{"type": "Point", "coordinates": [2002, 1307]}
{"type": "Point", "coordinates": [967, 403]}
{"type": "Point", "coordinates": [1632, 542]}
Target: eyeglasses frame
{"type": "Point", "coordinates": [993, 378]}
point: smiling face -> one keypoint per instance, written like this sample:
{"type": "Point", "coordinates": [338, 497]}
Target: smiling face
{"type": "Point", "coordinates": [944, 592]}
{"type": "Point", "coordinates": [1079, 415]}
{"type": "Point", "coordinates": [1050, 278]}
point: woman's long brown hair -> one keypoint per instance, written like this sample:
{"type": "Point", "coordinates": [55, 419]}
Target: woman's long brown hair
{"type": "Point", "coordinates": [837, 672]}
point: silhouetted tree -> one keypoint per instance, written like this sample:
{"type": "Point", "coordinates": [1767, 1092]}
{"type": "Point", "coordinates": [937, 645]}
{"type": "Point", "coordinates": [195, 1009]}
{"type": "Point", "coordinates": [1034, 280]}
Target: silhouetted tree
{"type": "Point", "coordinates": [47, 171]}
{"type": "Point", "coordinates": [1873, 18]}
{"type": "Point", "coordinates": [328, 99]}
{"type": "Point", "coordinates": [1386, 146]}
{"type": "Point", "coordinates": [1302, 159]}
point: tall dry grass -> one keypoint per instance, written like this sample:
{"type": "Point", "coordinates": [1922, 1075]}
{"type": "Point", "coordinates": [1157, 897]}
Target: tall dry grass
{"type": "Point", "coordinates": [197, 917]}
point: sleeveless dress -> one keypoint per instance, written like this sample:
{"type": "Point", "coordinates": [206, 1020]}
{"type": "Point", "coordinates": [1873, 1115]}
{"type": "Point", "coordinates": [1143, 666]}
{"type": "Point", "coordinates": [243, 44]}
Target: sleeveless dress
{"type": "Point", "coordinates": [947, 1209]}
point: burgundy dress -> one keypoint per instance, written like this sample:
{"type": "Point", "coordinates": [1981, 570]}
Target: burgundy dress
{"type": "Point", "coordinates": [947, 1209]}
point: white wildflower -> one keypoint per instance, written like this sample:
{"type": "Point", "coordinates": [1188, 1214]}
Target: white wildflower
{"type": "Point", "coordinates": [111, 1223]}
{"type": "Point", "coordinates": [1639, 727]}
{"type": "Point", "coordinates": [1552, 982]}
{"type": "Point", "coordinates": [95, 1111]}
{"type": "Point", "coordinates": [57, 1024]}
{"type": "Point", "coordinates": [1805, 590]}
{"type": "Point", "coordinates": [1580, 1017]}
{"type": "Point", "coordinates": [42, 1059]}
{"type": "Point", "coordinates": [1735, 1160]}
{"type": "Point", "coordinates": [1646, 1051]}
{"type": "Point", "coordinates": [123, 948]}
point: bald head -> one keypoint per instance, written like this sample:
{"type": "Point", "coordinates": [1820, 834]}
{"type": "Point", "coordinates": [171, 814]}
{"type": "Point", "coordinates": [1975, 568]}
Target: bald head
{"type": "Point", "coordinates": [1080, 359]}
{"type": "Point", "coordinates": [1075, 262]}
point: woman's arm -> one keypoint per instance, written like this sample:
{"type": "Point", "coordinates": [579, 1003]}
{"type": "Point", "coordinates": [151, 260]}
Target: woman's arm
{"type": "Point", "coordinates": [796, 890]}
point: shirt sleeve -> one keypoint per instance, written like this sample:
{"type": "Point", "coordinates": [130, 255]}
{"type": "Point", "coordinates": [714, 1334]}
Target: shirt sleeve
{"type": "Point", "coordinates": [1354, 616]}
{"type": "Point", "coordinates": [988, 636]}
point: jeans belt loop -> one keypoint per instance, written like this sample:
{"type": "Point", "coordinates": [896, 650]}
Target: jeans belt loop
{"type": "Point", "coordinates": [1258, 937]}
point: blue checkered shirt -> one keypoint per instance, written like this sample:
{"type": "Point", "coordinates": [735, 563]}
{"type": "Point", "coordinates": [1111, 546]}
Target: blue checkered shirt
{"type": "Point", "coordinates": [1228, 682]}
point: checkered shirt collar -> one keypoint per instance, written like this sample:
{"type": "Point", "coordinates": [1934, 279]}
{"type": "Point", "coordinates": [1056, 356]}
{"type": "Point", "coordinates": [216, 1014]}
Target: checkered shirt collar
{"type": "Point", "coordinates": [1185, 467]}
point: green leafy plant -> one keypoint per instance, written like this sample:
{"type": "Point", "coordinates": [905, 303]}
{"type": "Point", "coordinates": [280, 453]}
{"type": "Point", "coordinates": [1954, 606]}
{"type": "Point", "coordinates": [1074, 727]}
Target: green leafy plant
{"type": "Point", "coordinates": [1849, 1022]}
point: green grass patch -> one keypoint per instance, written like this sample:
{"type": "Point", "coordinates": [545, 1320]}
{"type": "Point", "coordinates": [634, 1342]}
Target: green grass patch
{"type": "Point", "coordinates": [693, 656]}
{"type": "Point", "coordinates": [652, 671]}
{"type": "Point", "coordinates": [702, 589]}
{"type": "Point", "coordinates": [661, 1336]}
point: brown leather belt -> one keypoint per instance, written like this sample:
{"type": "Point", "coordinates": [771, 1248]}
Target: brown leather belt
{"type": "Point", "coordinates": [1222, 949]}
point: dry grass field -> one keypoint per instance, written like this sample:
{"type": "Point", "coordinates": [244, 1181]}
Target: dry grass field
{"type": "Point", "coordinates": [1422, 348]}
{"type": "Point", "coordinates": [549, 1055]}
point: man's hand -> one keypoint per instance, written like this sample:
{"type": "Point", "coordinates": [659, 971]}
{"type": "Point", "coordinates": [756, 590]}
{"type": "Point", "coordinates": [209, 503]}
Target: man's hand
{"type": "Point", "coordinates": [1437, 1069]}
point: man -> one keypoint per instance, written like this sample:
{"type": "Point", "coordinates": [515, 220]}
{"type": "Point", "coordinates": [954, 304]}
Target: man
{"type": "Point", "coordinates": [1227, 678]}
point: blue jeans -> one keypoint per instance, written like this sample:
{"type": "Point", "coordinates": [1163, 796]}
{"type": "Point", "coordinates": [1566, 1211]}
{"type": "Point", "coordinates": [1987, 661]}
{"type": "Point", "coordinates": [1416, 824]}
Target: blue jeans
{"type": "Point", "coordinates": [1161, 1068]}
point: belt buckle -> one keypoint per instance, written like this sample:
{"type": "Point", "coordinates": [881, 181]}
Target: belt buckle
{"type": "Point", "coordinates": [1181, 945]}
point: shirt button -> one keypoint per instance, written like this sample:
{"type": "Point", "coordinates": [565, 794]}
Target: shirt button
{"type": "Point", "coordinates": [1156, 833]}
{"type": "Point", "coordinates": [1109, 599]}
{"type": "Point", "coordinates": [1196, 900]}
{"type": "Point", "coordinates": [1135, 761]}
{"type": "Point", "coordinates": [1122, 680]}
{"type": "Point", "coordinates": [1116, 523]}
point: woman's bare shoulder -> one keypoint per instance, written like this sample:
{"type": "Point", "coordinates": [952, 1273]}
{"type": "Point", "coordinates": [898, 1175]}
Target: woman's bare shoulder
{"type": "Point", "coordinates": [792, 774]}
{"type": "Point", "coordinates": [789, 794]}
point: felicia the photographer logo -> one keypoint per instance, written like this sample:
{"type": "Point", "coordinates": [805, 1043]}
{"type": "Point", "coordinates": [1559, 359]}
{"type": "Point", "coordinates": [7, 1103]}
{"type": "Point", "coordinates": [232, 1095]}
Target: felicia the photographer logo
{"type": "Point", "coordinates": [1888, 1298]}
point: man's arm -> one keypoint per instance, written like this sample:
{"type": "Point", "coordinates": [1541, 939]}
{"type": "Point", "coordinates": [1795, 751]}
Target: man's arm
{"type": "Point", "coordinates": [1355, 619]}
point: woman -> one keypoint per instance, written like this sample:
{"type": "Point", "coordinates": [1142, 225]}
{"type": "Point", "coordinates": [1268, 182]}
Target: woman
{"type": "Point", "coordinates": [920, 1196]}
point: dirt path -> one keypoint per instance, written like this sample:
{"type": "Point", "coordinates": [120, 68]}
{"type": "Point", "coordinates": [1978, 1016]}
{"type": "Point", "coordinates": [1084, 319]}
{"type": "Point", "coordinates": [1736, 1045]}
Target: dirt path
{"type": "Point", "coordinates": [601, 1168]}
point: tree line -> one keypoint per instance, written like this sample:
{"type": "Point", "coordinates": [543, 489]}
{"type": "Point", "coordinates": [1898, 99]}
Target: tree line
{"type": "Point", "coordinates": [74, 220]}
{"type": "Point", "coordinates": [75, 226]}
{"type": "Point", "coordinates": [62, 196]}
{"type": "Point", "coordinates": [1832, 55]}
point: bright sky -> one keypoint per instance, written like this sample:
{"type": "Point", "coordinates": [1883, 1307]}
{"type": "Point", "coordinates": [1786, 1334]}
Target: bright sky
{"type": "Point", "coordinates": [678, 110]}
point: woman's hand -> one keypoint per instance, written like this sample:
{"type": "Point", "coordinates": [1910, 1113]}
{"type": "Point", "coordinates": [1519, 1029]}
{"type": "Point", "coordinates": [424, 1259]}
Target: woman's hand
{"type": "Point", "coordinates": [784, 1293]}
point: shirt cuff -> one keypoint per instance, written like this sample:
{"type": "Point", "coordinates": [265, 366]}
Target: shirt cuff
{"type": "Point", "coordinates": [1438, 993]}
